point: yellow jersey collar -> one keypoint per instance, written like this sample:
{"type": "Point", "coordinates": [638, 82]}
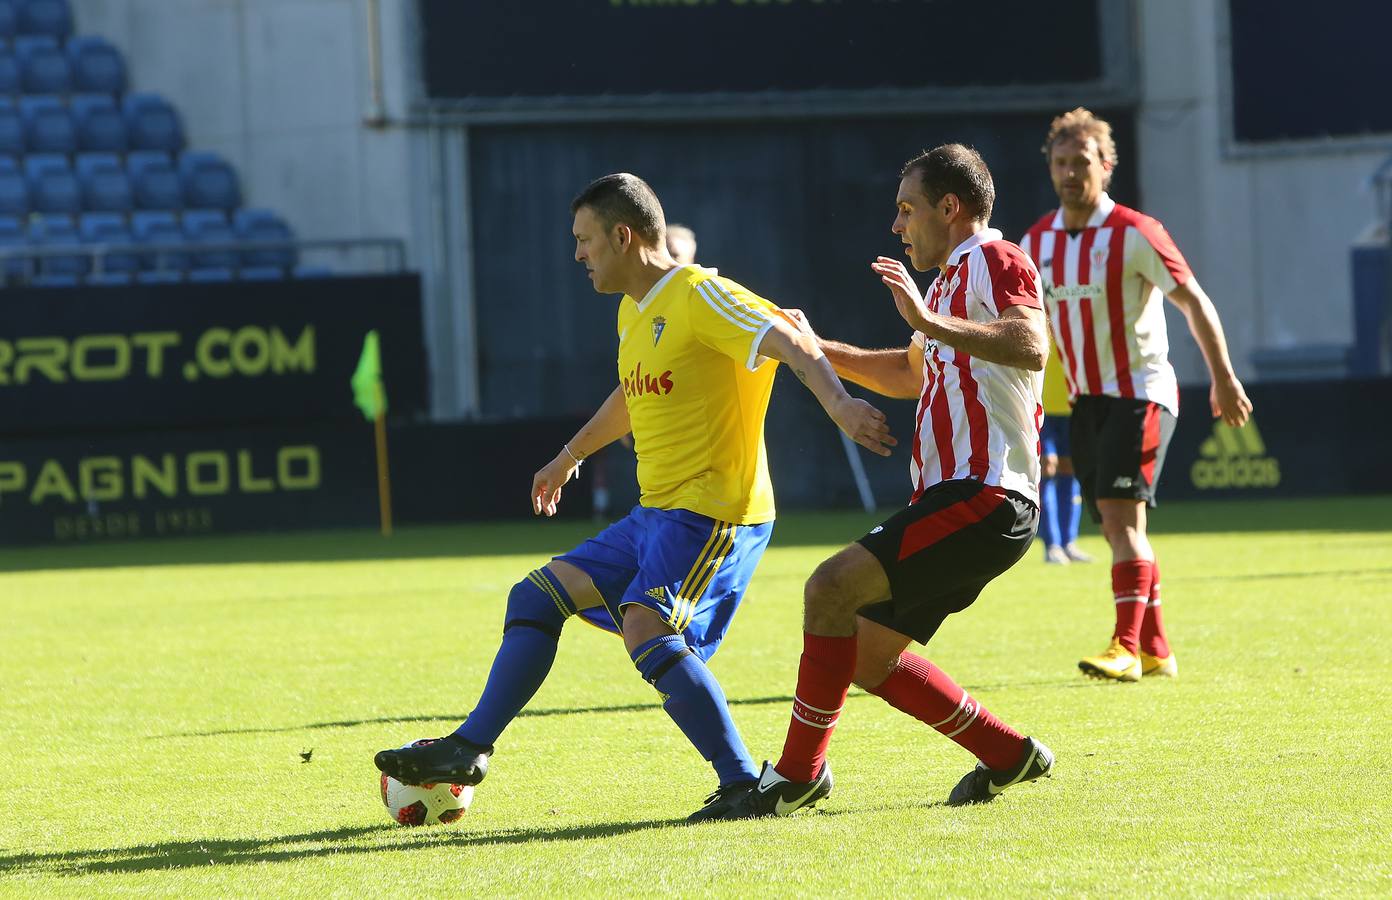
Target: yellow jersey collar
{"type": "Point", "coordinates": [657, 288]}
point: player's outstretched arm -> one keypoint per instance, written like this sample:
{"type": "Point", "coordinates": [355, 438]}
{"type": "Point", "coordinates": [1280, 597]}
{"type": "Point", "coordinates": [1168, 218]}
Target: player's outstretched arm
{"type": "Point", "coordinates": [894, 373]}
{"type": "Point", "coordinates": [607, 425]}
{"type": "Point", "coordinates": [1226, 397]}
{"type": "Point", "coordinates": [1018, 337]}
{"type": "Point", "coordinates": [799, 351]}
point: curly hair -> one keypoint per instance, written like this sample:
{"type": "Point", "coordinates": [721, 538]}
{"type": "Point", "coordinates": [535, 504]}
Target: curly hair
{"type": "Point", "coordinates": [1080, 124]}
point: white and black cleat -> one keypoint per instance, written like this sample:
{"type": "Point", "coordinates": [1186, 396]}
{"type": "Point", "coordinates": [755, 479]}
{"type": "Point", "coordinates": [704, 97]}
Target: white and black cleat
{"type": "Point", "coordinates": [981, 785]}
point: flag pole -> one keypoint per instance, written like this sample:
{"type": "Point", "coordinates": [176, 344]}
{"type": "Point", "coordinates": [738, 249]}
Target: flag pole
{"type": "Point", "coordinates": [384, 503]}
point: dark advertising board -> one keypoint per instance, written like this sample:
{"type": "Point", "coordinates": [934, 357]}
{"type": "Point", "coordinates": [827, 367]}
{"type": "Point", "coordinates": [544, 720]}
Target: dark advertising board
{"type": "Point", "coordinates": [1304, 439]}
{"type": "Point", "coordinates": [166, 356]}
{"type": "Point", "coordinates": [169, 484]}
{"type": "Point", "coordinates": [161, 484]}
{"type": "Point", "coordinates": [500, 51]}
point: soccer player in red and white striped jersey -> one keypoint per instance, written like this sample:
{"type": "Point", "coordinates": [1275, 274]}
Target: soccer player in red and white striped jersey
{"type": "Point", "coordinates": [975, 363]}
{"type": "Point", "coordinates": [1105, 269]}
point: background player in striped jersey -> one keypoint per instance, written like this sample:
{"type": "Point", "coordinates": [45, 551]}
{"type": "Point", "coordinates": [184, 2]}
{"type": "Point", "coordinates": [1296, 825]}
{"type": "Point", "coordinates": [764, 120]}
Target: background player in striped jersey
{"type": "Point", "coordinates": [1105, 268]}
{"type": "Point", "coordinates": [696, 369]}
{"type": "Point", "coordinates": [974, 362]}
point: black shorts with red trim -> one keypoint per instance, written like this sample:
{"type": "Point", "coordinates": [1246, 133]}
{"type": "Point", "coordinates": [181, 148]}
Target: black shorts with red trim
{"type": "Point", "coordinates": [1119, 446]}
{"type": "Point", "coordinates": [941, 551]}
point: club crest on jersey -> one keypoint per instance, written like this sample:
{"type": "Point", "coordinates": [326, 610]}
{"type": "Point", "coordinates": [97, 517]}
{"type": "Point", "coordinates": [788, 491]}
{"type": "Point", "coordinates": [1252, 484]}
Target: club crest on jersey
{"type": "Point", "coordinates": [659, 326]}
{"type": "Point", "coordinates": [1099, 257]}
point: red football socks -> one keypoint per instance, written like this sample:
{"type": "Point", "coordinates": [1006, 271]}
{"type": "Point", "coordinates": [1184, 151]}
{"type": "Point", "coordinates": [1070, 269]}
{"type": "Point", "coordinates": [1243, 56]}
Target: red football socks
{"type": "Point", "coordinates": [1153, 640]}
{"type": "Point", "coordinates": [1131, 582]}
{"type": "Point", "coordinates": [824, 677]}
{"type": "Point", "coordinates": [925, 692]}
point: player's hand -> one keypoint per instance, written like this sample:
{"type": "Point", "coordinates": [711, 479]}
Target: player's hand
{"type": "Point", "coordinates": [546, 484]}
{"type": "Point", "coordinates": [1229, 401]}
{"type": "Point", "coordinates": [902, 287]}
{"type": "Point", "coordinates": [798, 319]}
{"type": "Point", "coordinates": [865, 424]}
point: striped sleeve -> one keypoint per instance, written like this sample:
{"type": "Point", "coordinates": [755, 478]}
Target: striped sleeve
{"type": "Point", "coordinates": [731, 320]}
{"type": "Point", "coordinates": [1010, 278]}
{"type": "Point", "coordinates": [1156, 258]}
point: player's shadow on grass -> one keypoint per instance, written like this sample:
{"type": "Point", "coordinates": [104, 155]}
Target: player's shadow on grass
{"type": "Point", "coordinates": [459, 717]}
{"type": "Point", "coordinates": [572, 711]}
{"type": "Point", "coordinates": [255, 851]}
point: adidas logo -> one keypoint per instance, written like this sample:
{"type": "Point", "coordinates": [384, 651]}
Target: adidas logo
{"type": "Point", "coordinates": [1235, 458]}
{"type": "Point", "coordinates": [657, 593]}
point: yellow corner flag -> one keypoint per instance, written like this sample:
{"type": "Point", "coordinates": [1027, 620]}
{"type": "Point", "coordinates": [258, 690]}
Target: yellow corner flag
{"type": "Point", "coordinates": [370, 396]}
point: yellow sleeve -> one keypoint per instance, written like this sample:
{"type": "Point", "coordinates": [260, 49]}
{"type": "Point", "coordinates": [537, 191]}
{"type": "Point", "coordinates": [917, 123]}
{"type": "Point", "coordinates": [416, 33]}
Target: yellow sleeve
{"type": "Point", "coordinates": [729, 319]}
{"type": "Point", "coordinates": [1055, 388]}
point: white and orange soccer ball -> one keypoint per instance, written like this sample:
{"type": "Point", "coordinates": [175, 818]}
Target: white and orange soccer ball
{"type": "Point", "coordinates": [425, 804]}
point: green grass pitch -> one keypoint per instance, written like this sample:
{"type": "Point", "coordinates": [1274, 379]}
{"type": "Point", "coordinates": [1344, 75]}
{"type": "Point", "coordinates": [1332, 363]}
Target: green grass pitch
{"type": "Point", "coordinates": [157, 698]}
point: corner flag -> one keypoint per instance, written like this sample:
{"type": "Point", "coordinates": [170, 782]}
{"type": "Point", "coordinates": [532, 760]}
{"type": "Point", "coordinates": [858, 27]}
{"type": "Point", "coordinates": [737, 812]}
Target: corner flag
{"type": "Point", "coordinates": [370, 396]}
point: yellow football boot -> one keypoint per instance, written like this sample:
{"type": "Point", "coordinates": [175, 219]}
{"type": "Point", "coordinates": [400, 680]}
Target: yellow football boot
{"type": "Point", "coordinates": [1163, 667]}
{"type": "Point", "coordinates": [1116, 663]}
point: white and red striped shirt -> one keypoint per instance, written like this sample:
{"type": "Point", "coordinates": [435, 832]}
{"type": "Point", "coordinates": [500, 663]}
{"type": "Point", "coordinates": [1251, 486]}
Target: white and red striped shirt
{"type": "Point", "coordinates": [1103, 289]}
{"type": "Point", "coordinates": [976, 419]}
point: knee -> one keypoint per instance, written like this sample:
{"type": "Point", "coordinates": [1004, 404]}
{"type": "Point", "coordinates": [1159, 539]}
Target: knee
{"type": "Point", "coordinates": [825, 588]}
{"type": "Point", "coordinates": [1048, 466]}
{"type": "Point", "coordinates": [538, 601]}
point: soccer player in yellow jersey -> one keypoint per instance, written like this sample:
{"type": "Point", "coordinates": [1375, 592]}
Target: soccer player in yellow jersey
{"type": "Point", "coordinates": [1060, 501]}
{"type": "Point", "coordinates": [697, 357]}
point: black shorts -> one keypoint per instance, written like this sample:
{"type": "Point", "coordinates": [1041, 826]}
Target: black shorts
{"type": "Point", "coordinates": [1119, 446]}
{"type": "Point", "coordinates": [941, 551]}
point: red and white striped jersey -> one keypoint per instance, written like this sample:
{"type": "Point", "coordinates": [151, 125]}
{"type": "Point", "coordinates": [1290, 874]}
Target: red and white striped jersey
{"type": "Point", "coordinates": [976, 419]}
{"type": "Point", "coordinates": [1103, 289]}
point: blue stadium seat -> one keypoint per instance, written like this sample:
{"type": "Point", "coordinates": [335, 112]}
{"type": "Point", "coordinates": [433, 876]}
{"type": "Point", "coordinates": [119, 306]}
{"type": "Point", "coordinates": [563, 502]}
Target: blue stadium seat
{"type": "Point", "coordinates": [42, 66]}
{"type": "Point", "coordinates": [50, 17]}
{"type": "Point", "coordinates": [313, 272]}
{"type": "Point", "coordinates": [156, 184]}
{"type": "Point", "coordinates": [47, 126]}
{"type": "Point", "coordinates": [14, 189]}
{"type": "Point", "coordinates": [158, 227]}
{"type": "Point", "coordinates": [208, 226]}
{"type": "Point", "coordinates": [152, 123]}
{"type": "Point", "coordinates": [261, 273]}
{"type": "Point", "coordinates": [159, 276]}
{"type": "Point", "coordinates": [55, 279]}
{"type": "Point", "coordinates": [9, 18]}
{"type": "Point", "coordinates": [209, 275]}
{"type": "Point", "coordinates": [264, 225]}
{"type": "Point", "coordinates": [13, 237]}
{"type": "Point", "coordinates": [96, 65]}
{"type": "Point", "coordinates": [108, 279]}
{"type": "Point", "coordinates": [53, 188]}
{"type": "Point", "coordinates": [109, 228]}
{"type": "Point", "coordinates": [100, 125]}
{"type": "Point", "coordinates": [209, 181]}
{"type": "Point", "coordinates": [9, 73]}
{"type": "Point", "coordinates": [57, 231]}
{"type": "Point", "coordinates": [105, 185]}
{"type": "Point", "coordinates": [11, 129]}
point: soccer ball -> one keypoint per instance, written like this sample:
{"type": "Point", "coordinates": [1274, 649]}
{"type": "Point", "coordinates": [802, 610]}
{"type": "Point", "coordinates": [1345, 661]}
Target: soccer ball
{"type": "Point", "coordinates": [425, 804]}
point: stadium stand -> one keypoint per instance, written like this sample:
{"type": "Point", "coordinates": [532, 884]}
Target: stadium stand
{"type": "Point", "coordinates": [84, 162]}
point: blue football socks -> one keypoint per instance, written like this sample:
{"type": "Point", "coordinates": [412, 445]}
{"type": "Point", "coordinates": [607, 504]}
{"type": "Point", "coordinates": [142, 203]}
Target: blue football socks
{"type": "Point", "coordinates": [1070, 497]}
{"type": "Point", "coordinates": [1049, 512]}
{"type": "Point", "coordinates": [537, 608]}
{"type": "Point", "coordinates": [694, 700]}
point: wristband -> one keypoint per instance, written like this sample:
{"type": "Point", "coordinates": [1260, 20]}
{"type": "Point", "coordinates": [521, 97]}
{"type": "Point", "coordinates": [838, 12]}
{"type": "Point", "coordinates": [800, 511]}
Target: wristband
{"type": "Point", "coordinates": [578, 460]}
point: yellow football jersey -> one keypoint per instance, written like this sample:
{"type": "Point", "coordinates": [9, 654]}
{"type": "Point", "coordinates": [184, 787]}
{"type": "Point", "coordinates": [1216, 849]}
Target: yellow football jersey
{"type": "Point", "coordinates": [697, 391]}
{"type": "Point", "coordinates": [1055, 388]}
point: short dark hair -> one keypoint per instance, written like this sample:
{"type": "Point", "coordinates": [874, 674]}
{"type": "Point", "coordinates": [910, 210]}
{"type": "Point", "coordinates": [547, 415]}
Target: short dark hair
{"type": "Point", "coordinates": [955, 169]}
{"type": "Point", "coordinates": [625, 199]}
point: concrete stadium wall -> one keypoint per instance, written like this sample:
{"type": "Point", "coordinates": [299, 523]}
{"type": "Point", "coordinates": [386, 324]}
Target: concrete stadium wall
{"type": "Point", "coordinates": [1267, 229]}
